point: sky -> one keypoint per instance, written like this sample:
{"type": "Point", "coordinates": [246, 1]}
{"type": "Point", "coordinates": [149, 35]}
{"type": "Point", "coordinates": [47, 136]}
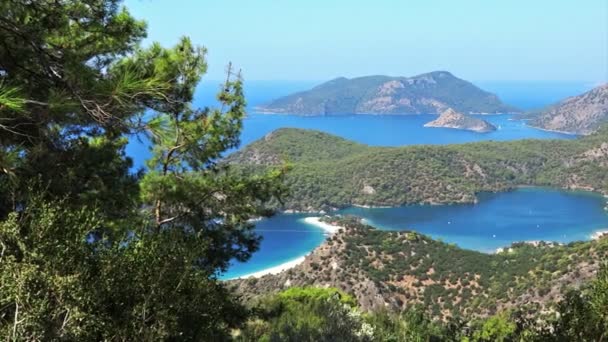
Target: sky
{"type": "Point", "coordinates": [480, 40]}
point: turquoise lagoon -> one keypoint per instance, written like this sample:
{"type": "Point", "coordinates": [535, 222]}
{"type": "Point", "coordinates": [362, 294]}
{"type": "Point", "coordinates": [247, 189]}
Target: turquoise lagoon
{"type": "Point", "coordinates": [497, 220]}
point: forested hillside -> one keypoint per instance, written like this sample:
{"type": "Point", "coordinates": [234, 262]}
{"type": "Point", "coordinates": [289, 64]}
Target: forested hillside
{"type": "Point", "coordinates": [331, 172]}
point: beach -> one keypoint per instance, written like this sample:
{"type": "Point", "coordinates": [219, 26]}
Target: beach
{"type": "Point", "coordinates": [276, 269]}
{"type": "Point", "coordinates": [315, 221]}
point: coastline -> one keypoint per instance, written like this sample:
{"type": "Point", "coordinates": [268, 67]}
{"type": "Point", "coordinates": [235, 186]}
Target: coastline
{"type": "Point", "coordinates": [556, 131]}
{"type": "Point", "coordinates": [328, 228]}
{"type": "Point", "coordinates": [275, 269]}
{"type": "Point", "coordinates": [315, 221]}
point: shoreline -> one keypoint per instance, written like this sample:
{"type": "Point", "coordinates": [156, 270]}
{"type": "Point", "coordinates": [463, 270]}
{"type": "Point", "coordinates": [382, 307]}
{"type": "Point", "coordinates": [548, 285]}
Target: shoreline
{"type": "Point", "coordinates": [328, 228]}
{"type": "Point", "coordinates": [315, 221]}
{"type": "Point", "coordinates": [556, 131]}
{"type": "Point", "coordinates": [273, 270]}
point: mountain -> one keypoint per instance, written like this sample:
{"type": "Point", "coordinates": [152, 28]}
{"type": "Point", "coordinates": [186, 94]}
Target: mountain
{"type": "Point", "coordinates": [331, 172]}
{"type": "Point", "coordinates": [397, 270]}
{"type": "Point", "coordinates": [452, 119]}
{"type": "Point", "coordinates": [581, 114]}
{"type": "Point", "coordinates": [430, 93]}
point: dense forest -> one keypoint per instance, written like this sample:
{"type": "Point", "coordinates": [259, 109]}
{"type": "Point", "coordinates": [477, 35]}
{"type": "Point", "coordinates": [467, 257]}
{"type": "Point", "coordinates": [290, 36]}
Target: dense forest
{"type": "Point", "coordinates": [328, 314]}
{"type": "Point", "coordinates": [90, 250]}
{"type": "Point", "coordinates": [330, 172]}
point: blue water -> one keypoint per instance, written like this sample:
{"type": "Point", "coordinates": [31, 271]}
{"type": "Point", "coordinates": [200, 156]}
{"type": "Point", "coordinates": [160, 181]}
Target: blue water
{"type": "Point", "coordinates": [531, 95]}
{"type": "Point", "coordinates": [376, 130]}
{"type": "Point", "coordinates": [498, 220]}
{"type": "Point", "coordinates": [525, 214]}
{"type": "Point", "coordinates": [285, 237]}
{"type": "Point", "coordinates": [383, 130]}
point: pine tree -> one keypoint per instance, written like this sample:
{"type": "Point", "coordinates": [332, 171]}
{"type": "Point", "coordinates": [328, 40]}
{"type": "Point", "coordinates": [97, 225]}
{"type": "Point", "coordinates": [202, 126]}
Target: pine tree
{"type": "Point", "coordinates": [90, 250]}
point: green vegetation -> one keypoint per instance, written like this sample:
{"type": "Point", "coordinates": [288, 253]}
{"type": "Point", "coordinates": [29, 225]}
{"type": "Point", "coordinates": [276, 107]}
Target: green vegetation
{"type": "Point", "coordinates": [330, 172]}
{"type": "Point", "coordinates": [433, 92]}
{"type": "Point", "coordinates": [89, 250]}
{"type": "Point", "coordinates": [315, 314]}
{"type": "Point", "coordinates": [306, 314]}
{"type": "Point", "coordinates": [93, 251]}
{"type": "Point", "coordinates": [398, 270]}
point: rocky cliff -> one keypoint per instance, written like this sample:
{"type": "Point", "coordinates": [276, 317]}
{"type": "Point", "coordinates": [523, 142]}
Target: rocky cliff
{"type": "Point", "coordinates": [582, 114]}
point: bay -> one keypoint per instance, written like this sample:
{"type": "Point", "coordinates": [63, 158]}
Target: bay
{"type": "Point", "coordinates": [497, 220]}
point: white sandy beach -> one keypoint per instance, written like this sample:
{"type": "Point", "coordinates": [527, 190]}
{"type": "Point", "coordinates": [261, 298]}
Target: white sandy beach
{"type": "Point", "coordinates": [276, 269]}
{"type": "Point", "coordinates": [330, 229]}
{"type": "Point", "coordinates": [316, 221]}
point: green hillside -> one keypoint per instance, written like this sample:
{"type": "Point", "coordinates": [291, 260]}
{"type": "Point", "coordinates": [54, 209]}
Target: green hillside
{"type": "Point", "coordinates": [331, 172]}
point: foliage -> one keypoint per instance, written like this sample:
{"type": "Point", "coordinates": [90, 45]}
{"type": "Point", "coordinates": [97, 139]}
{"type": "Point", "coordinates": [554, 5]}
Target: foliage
{"type": "Point", "coordinates": [90, 249]}
{"type": "Point", "coordinates": [329, 172]}
{"type": "Point", "coordinates": [307, 314]}
{"type": "Point", "coordinates": [57, 282]}
{"type": "Point", "coordinates": [583, 315]}
{"type": "Point", "coordinates": [496, 328]}
{"type": "Point", "coordinates": [577, 319]}
{"type": "Point", "coordinates": [409, 325]}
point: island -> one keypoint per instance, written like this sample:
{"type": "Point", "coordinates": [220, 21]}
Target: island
{"type": "Point", "coordinates": [430, 93]}
{"type": "Point", "coordinates": [452, 119]}
{"type": "Point", "coordinates": [582, 114]}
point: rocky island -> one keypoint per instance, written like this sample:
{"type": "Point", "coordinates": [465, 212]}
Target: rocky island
{"type": "Point", "coordinates": [582, 114]}
{"type": "Point", "coordinates": [452, 119]}
{"type": "Point", "coordinates": [430, 93]}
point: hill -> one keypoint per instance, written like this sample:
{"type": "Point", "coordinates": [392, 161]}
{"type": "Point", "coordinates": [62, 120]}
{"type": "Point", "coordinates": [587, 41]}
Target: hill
{"type": "Point", "coordinates": [397, 270]}
{"type": "Point", "coordinates": [330, 172]}
{"type": "Point", "coordinates": [582, 114]}
{"type": "Point", "coordinates": [432, 92]}
{"type": "Point", "coordinates": [452, 119]}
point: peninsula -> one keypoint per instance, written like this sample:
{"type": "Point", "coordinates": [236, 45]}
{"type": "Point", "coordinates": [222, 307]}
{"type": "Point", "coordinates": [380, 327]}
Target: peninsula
{"type": "Point", "coordinates": [329, 172]}
{"type": "Point", "coordinates": [582, 114]}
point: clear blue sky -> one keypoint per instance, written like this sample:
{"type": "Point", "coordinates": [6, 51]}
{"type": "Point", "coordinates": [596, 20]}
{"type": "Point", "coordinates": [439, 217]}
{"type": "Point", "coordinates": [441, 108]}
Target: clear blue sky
{"type": "Point", "coordinates": [565, 40]}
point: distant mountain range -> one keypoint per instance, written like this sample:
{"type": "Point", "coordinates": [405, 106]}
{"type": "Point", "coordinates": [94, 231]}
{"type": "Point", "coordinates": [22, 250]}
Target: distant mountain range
{"type": "Point", "coordinates": [430, 93]}
{"type": "Point", "coordinates": [582, 114]}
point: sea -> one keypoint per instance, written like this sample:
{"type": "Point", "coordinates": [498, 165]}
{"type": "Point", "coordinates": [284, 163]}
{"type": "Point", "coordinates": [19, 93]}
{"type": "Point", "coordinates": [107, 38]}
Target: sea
{"type": "Point", "coordinates": [499, 219]}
